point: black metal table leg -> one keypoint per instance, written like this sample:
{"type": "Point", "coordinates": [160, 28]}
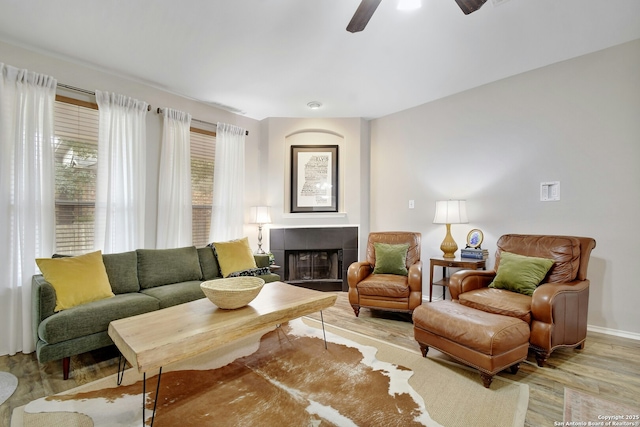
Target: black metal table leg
{"type": "Point", "coordinates": [323, 332]}
{"type": "Point", "coordinates": [122, 363]}
{"type": "Point", "coordinates": [144, 394]}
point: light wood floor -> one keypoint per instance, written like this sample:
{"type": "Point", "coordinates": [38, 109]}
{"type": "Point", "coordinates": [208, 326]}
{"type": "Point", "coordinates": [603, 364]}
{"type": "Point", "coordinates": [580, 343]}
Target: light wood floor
{"type": "Point", "coordinates": [608, 366]}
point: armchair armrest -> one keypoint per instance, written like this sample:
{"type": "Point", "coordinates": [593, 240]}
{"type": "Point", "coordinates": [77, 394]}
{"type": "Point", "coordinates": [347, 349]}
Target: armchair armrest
{"type": "Point", "coordinates": [357, 272]}
{"type": "Point", "coordinates": [558, 316]}
{"type": "Point", "coordinates": [468, 280]}
{"type": "Point", "coordinates": [415, 277]}
{"type": "Point", "coordinates": [551, 296]}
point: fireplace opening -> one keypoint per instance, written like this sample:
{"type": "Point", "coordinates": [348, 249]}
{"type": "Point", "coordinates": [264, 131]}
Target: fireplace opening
{"type": "Point", "coordinates": [314, 268]}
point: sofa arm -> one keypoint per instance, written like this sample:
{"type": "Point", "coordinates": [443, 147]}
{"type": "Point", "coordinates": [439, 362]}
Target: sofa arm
{"type": "Point", "coordinates": [467, 280]}
{"type": "Point", "coordinates": [43, 302]}
{"type": "Point", "coordinates": [262, 260]}
{"type": "Point", "coordinates": [357, 272]}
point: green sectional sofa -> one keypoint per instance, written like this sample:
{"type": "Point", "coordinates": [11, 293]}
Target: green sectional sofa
{"type": "Point", "coordinates": [143, 280]}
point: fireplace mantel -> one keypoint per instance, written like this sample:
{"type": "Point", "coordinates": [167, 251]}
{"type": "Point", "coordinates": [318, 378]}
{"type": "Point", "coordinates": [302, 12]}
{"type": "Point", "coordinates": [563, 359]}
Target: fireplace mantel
{"type": "Point", "coordinates": [343, 238]}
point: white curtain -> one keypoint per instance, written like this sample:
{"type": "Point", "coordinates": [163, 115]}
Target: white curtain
{"type": "Point", "coordinates": [120, 182]}
{"type": "Point", "coordinates": [227, 216]}
{"type": "Point", "coordinates": [27, 186]}
{"type": "Point", "coordinates": [174, 182]}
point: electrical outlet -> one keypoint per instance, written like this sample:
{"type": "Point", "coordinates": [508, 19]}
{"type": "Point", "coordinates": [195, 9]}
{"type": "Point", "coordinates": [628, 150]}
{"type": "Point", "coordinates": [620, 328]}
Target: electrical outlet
{"type": "Point", "coordinates": [412, 204]}
{"type": "Point", "coordinates": [550, 191]}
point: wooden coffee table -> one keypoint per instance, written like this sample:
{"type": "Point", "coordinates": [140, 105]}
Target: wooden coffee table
{"type": "Point", "coordinates": [152, 340]}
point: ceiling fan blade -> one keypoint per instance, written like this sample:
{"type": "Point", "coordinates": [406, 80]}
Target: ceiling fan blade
{"type": "Point", "coordinates": [469, 6]}
{"type": "Point", "coordinates": [362, 15]}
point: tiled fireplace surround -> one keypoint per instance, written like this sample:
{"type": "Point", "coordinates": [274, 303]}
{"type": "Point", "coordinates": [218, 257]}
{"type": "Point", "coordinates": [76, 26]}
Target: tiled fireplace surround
{"type": "Point", "coordinates": [330, 244]}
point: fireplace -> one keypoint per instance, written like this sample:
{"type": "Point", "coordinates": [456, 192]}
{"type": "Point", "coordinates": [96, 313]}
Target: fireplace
{"type": "Point", "coordinates": [316, 258]}
{"type": "Point", "coordinates": [304, 267]}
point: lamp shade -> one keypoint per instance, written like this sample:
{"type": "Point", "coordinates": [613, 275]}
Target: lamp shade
{"type": "Point", "coordinates": [451, 212]}
{"type": "Point", "coordinates": [260, 215]}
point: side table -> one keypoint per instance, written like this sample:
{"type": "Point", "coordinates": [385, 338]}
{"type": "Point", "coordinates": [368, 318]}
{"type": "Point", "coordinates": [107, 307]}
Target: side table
{"type": "Point", "coordinates": [445, 263]}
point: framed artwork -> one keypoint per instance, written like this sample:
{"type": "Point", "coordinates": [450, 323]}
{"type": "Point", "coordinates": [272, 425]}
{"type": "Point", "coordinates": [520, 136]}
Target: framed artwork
{"type": "Point", "coordinates": [474, 238]}
{"type": "Point", "coordinates": [314, 178]}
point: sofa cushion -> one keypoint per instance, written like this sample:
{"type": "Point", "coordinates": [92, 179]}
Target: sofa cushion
{"type": "Point", "coordinates": [208, 263]}
{"type": "Point", "coordinates": [563, 250]}
{"type": "Point", "coordinates": [519, 273]}
{"type": "Point", "coordinates": [76, 280]}
{"type": "Point", "coordinates": [234, 255]}
{"type": "Point", "coordinates": [391, 259]}
{"type": "Point", "coordinates": [176, 293]}
{"type": "Point", "coordinates": [499, 301]}
{"type": "Point", "coordinates": [122, 270]}
{"type": "Point", "coordinates": [157, 267]}
{"type": "Point", "coordinates": [93, 317]}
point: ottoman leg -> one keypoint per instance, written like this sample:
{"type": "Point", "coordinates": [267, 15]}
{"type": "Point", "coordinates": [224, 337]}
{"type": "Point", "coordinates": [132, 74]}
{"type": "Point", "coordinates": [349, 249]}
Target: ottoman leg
{"type": "Point", "coordinates": [486, 379]}
{"type": "Point", "coordinates": [513, 369]}
{"type": "Point", "coordinates": [424, 349]}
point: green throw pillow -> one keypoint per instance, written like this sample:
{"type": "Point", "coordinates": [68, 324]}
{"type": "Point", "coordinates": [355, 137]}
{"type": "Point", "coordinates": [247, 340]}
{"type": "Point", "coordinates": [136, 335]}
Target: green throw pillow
{"type": "Point", "coordinates": [391, 259]}
{"type": "Point", "coordinates": [519, 273]}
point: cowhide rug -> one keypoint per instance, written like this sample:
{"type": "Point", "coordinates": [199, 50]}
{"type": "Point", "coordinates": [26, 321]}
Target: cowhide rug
{"type": "Point", "coordinates": [8, 384]}
{"type": "Point", "coordinates": [287, 379]}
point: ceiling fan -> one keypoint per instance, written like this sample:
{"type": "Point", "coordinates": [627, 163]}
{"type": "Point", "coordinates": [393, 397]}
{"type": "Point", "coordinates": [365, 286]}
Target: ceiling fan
{"type": "Point", "coordinates": [367, 7]}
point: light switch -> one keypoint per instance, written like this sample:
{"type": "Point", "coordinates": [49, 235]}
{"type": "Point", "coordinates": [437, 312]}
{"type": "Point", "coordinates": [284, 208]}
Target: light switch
{"type": "Point", "coordinates": [411, 204]}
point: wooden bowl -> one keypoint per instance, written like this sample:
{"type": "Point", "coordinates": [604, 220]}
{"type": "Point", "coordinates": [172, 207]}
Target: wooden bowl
{"type": "Point", "coordinates": [232, 292]}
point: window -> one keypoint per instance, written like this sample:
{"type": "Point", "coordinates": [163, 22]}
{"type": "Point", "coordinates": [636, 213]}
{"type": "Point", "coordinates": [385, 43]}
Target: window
{"type": "Point", "coordinates": [76, 158]}
{"type": "Point", "coordinates": [202, 162]}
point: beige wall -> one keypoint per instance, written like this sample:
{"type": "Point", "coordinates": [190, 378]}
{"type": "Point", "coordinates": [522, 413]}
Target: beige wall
{"type": "Point", "coordinates": [352, 137]}
{"type": "Point", "coordinates": [577, 122]}
{"type": "Point", "coordinates": [80, 76]}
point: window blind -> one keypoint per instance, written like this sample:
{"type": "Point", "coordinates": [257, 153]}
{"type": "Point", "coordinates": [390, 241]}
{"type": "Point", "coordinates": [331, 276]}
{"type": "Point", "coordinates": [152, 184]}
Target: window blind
{"type": "Point", "coordinates": [76, 151]}
{"type": "Point", "coordinates": [202, 163]}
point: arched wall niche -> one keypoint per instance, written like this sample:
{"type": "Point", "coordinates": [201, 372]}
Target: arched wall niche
{"type": "Point", "coordinates": [314, 137]}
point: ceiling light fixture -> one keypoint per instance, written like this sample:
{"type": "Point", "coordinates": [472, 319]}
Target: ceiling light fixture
{"type": "Point", "coordinates": [314, 105]}
{"type": "Point", "coordinates": [409, 4]}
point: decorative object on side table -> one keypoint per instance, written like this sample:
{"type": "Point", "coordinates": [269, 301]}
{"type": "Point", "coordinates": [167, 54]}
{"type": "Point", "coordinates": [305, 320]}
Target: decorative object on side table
{"type": "Point", "coordinates": [260, 215]}
{"type": "Point", "coordinates": [232, 292]}
{"type": "Point", "coordinates": [450, 212]}
{"type": "Point", "coordinates": [475, 238]}
{"type": "Point", "coordinates": [474, 253]}
{"type": "Point", "coordinates": [473, 249]}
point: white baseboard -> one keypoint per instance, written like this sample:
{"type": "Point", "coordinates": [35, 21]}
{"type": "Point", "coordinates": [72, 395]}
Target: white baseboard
{"type": "Point", "coordinates": [614, 332]}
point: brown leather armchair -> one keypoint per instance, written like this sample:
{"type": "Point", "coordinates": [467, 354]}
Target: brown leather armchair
{"type": "Point", "coordinates": [387, 291]}
{"type": "Point", "coordinates": [557, 310]}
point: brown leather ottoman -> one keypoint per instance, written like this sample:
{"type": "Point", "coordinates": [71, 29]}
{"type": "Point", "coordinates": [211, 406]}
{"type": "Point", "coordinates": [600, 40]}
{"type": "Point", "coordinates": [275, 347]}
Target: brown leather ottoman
{"type": "Point", "coordinates": [486, 341]}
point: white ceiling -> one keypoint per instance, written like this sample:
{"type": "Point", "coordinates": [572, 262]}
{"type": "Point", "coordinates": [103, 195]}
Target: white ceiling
{"type": "Point", "coordinates": [269, 58]}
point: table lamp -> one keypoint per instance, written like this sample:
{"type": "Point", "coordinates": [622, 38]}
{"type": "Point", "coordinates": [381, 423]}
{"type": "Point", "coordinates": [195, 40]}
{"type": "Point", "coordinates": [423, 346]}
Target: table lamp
{"type": "Point", "coordinates": [260, 215]}
{"type": "Point", "coordinates": [450, 212]}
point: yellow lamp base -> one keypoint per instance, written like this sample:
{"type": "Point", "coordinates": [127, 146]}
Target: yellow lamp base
{"type": "Point", "coordinates": [449, 246]}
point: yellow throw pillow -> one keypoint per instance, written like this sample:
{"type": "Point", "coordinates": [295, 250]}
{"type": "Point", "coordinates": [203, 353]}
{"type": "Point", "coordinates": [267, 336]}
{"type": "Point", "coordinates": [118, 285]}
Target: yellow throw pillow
{"type": "Point", "coordinates": [234, 255]}
{"type": "Point", "coordinates": [76, 280]}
